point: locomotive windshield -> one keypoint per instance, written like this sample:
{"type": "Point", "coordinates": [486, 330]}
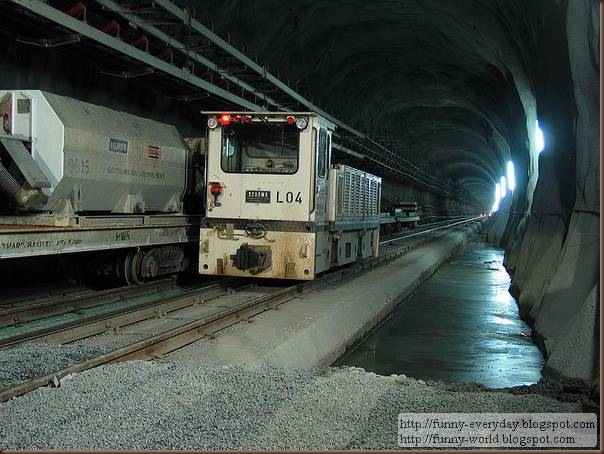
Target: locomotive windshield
{"type": "Point", "coordinates": [260, 148]}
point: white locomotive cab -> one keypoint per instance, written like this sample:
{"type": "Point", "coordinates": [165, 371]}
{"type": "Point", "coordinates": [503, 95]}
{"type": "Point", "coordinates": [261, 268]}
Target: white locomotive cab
{"type": "Point", "coordinates": [267, 203]}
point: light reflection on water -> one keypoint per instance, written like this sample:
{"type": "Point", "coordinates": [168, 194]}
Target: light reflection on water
{"type": "Point", "coordinates": [462, 325]}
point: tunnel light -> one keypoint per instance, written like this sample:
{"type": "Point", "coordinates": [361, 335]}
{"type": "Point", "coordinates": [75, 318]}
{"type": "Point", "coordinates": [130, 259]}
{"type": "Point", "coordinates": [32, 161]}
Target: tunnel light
{"type": "Point", "coordinates": [497, 198]}
{"type": "Point", "coordinates": [503, 187]}
{"type": "Point", "coordinates": [511, 176]}
{"type": "Point", "coordinates": [539, 140]}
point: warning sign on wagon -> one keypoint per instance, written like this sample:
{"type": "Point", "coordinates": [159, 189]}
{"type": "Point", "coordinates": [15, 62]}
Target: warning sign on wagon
{"type": "Point", "coordinates": [497, 430]}
{"type": "Point", "coordinates": [154, 152]}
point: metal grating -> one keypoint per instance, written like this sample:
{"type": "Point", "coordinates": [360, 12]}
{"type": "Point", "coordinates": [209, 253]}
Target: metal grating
{"type": "Point", "coordinates": [358, 193]}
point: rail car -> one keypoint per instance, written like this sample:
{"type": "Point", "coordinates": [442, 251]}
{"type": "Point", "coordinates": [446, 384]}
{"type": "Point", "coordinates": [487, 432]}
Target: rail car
{"type": "Point", "coordinates": [76, 177]}
{"type": "Point", "coordinates": [403, 214]}
{"type": "Point", "coordinates": [119, 196]}
{"type": "Point", "coordinates": [276, 206]}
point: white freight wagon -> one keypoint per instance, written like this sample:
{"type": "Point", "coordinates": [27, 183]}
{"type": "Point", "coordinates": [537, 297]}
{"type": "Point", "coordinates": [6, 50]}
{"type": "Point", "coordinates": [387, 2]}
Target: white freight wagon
{"type": "Point", "coordinates": [77, 177]}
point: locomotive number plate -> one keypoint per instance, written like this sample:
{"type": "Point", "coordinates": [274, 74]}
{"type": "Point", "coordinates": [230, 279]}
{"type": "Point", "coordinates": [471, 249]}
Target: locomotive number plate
{"type": "Point", "coordinates": [257, 196]}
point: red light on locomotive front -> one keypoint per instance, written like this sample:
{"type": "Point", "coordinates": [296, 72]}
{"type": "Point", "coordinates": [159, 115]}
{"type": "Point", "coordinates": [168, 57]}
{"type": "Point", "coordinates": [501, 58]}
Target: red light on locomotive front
{"type": "Point", "coordinates": [215, 189]}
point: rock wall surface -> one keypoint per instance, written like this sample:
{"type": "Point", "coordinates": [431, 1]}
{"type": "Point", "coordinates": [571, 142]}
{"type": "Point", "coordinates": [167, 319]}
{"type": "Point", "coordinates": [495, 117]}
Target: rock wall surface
{"type": "Point", "coordinates": [553, 249]}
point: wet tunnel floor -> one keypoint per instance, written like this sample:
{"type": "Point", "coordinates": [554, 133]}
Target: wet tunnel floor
{"type": "Point", "coordinates": [461, 325]}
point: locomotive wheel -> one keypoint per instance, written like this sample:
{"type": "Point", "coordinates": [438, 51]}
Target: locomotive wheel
{"type": "Point", "coordinates": [120, 267]}
{"type": "Point", "coordinates": [128, 268]}
{"type": "Point", "coordinates": [149, 265]}
{"type": "Point", "coordinates": [123, 268]}
{"type": "Point", "coordinates": [135, 266]}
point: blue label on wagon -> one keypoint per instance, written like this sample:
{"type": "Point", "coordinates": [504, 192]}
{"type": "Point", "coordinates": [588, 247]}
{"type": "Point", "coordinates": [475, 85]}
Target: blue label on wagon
{"type": "Point", "coordinates": [118, 146]}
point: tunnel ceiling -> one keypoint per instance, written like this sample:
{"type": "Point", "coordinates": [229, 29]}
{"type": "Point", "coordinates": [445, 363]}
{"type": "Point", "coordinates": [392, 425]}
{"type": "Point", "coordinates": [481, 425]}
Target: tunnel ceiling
{"type": "Point", "coordinates": [452, 86]}
{"type": "Point", "coordinates": [446, 84]}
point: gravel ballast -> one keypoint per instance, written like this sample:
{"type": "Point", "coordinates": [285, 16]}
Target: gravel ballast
{"type": "Point", "coordinates": [27, 361]}
{"type": "Point", "coordinates": [151, 405]}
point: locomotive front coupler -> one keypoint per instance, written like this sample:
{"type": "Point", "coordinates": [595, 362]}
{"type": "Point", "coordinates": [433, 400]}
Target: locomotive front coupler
{"type": "Point", "coordinates": [254, 259]}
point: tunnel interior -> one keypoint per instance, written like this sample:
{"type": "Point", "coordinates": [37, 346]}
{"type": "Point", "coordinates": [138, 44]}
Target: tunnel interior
{"type": "Point", "coordinates": [456, 90]}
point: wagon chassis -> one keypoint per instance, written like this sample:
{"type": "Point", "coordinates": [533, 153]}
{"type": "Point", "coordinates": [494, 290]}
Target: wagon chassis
{"type": "Point", "coordinates": [29, 236]}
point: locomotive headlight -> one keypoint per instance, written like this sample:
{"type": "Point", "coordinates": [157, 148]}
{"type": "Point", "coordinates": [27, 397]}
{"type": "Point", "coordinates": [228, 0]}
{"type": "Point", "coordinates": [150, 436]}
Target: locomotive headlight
{"type": "Point", "coordinates": [212, 122]}
{"type": "Point", "coordinates": [301, 123]}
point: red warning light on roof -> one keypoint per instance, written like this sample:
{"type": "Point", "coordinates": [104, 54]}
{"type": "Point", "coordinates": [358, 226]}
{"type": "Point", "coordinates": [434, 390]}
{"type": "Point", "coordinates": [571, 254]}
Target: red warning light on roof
{"type": "Point", "coordinates": [225, 119]}
{"type": "Point", "coordinates": [291, 120]}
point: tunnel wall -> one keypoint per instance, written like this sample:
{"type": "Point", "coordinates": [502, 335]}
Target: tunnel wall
{"type": "Point", "coordinates": [433, 207]}
{"type": "Point", "coordinates": [552, 251]}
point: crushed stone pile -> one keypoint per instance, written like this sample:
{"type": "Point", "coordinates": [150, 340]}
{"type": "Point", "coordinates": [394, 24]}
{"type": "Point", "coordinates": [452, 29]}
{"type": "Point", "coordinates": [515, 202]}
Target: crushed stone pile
{"type": "Point", "coordinates": [152, 405]}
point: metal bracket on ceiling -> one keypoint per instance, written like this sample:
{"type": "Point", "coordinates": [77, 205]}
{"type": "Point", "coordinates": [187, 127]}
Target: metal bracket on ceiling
{"type": "Point", "coordinates": [189, 97]}
{"type": "Point", "coordinates": [233, 69]}
{"type": "Point", "coordinates": [112, 28]}
{"type": "Point", "coordinates": [51, 42]}
{"type": "Point", "coordinates": [166, 55]}
{"type": "Point", "coordinates": [129, 74]}
{"type": "Point", "coordinates": [141, 42]}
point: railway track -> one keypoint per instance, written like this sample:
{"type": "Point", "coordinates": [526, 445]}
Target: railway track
{"type": "Point", "coordinates": [83, 327]}
{"type": "Point", "coordinates": [216, 317]}
{"type": "Point", "coordinates": [33, 308]}
{"type": "Point", "coordinates": [14, 296]}
{"type": "Point", "coordinates": [425, 229]}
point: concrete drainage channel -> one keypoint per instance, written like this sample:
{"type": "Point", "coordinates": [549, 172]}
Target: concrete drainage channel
{"type": "Point", "coordinates": [257, 385]}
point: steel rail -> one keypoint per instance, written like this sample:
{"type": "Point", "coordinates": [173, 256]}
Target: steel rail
{"type": "Point", "coordinates": [89, 326]}
{"type": "Point", "coordinates": [55, 305]}
{"type": "Point", "coordinates": [421, 227]}
{"type": "Point", "coordinates": [68, 332]}
{"type": "Point", "coordinates": [181, 336]}
{"type": "Point", "coordinates": [411, 235]}
{"type": "Point", "coordinates": [14, 296]}
{"type": "Point", "coordinates": [162, 343]}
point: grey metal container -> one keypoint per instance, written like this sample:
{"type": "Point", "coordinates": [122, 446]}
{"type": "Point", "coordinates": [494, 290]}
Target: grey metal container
{"type": "Point", "coordinates": [85, 158]}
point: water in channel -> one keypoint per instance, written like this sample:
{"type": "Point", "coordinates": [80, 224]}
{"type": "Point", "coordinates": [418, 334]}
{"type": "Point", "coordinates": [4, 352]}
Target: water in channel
{"type": "Point", "coordinates": [461, 325]}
